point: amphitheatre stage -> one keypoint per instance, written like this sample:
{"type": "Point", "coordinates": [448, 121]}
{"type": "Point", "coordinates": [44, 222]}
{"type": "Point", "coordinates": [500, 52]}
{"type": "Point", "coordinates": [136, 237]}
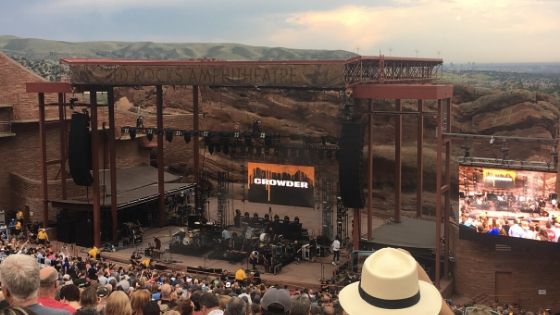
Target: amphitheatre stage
{"type": "Point", "coordinates": [304, 274]}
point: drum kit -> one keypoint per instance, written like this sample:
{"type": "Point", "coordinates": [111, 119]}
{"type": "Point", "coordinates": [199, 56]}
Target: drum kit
{"type": "Point", "coordinates": [186, 238]}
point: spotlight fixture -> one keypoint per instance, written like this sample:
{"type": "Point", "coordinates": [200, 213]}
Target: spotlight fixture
{"type": "Point", "coordinates": [169, 135]}
{"type": "Point", "coordinates": [132, 133]}
{"type": "Point", "coordinates": [150, 134]}
{"type": "Point", "coordinates": [73, 102]}
{"type": "Point", "coordinates": [187, 137]}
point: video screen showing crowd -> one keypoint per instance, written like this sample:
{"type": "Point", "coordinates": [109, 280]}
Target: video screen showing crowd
{"type": "Point", "coordinates": [512, 203]}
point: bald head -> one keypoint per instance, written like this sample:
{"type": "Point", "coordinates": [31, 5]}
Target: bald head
{"type": "Point", "coordinates": [48, 277]}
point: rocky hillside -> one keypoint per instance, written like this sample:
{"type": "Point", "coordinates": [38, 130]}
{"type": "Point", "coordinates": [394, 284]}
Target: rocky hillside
{"type": "Point", "coordinates": [492, 110]}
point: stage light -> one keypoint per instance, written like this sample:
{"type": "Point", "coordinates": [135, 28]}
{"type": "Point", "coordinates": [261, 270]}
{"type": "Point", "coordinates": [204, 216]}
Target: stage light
{"type": "Point", "coordinates": [248, 141]}
{"type": "Point", "coordinates": [132, 133]}
{"type": "Point", "coordinates": [150, 134]}
{"type": "Point", "coordinates": [169, 135]}
{"type": "Point", "coordinates": [268, 141]}
{"type": "Point", "coordinates": [187, 137]}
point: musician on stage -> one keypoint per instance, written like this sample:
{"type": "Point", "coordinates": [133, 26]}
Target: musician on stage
{"type": "Point", "coordinates": [254, 259]}
{"type": "Point", "coordinates": [226, 238]}
{"type": "Point", "coordinates": [157, 243]}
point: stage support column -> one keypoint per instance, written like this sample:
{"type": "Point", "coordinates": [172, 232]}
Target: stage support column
{"type": "Point", "coordinates": [63, 133]}
{"type": "Point", "coordinates": [419, 159]}
{"type": "Point", "coordinates": [370, 172]}
{"type": "Point", "coordinates": [112, 163]}
{"type": "Point", "coordinates": [398, 160]}
{"type": "Point", "coordinates": [196, 148]}
{"type": "Point", "coordinates": [356, 229]}
{"type": "Point", "coordinates": [447, 184]}
{"type": "Point", "coordinates": [161, 187]}
{"type": "Point", "coordinates": [439, 148]}
{"type": "Point", "coordinates": [95, 168]}
{"type": "Point", "coordinates": [44, 178]}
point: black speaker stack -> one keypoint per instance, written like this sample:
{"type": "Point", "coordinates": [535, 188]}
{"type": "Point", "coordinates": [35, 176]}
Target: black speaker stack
{"type": "Point", "coordinates": [79, 150]}
{"type": "Point", "coordinates": [350, 165]}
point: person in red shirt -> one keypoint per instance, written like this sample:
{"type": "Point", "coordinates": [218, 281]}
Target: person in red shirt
{"type": "Point", "coordinates": [47, 290]}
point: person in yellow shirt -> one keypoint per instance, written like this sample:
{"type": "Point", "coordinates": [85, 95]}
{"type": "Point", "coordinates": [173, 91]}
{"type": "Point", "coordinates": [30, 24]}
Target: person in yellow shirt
{"type": "Point", "coordinates": [240, 275]}
{"type": "Point", "coordinates": [42, 236]}
{"type": "Point", "coordinates": [146, 262]}
{"type": "Point", "coordinates": [94, 252]}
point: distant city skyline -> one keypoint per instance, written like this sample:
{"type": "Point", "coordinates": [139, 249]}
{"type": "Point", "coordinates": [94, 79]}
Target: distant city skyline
{"type": "Point", "coordinates": [456, 30]}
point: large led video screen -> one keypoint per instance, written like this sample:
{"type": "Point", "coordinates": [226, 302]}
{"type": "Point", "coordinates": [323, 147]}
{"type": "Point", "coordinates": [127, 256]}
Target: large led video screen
{"type": "Point", "coordinates": [511, 203]}
{"type": "Point", "coordinates": [281, 184]}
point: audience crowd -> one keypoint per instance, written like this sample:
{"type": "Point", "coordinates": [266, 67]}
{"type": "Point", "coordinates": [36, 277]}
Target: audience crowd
{"type": "Point", "coordinates": [40, 280]}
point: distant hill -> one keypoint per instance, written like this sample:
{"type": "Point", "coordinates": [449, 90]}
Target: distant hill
{"type": "Point", "coordinates": [32, 48]}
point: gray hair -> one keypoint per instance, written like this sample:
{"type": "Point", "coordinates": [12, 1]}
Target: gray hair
{"type": "Point", "coordinates": [300, 305]}
{"type": "Point", "coordinates": [20, 276]}
{"type": "Point", "coordinates": [48, 277]}
{"type": "Point", "coordinates": [235, 306]}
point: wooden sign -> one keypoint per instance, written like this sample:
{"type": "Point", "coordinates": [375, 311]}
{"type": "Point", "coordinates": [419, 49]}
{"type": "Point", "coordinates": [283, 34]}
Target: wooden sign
{"type": "Point", "coordinates": [308, 75]}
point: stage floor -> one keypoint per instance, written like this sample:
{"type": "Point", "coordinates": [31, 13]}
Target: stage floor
{"type": "Point", "coordinates": [306, 274]}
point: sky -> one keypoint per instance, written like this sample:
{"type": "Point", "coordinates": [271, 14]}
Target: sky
{"type": "Point", "coordinates": [455, 30]}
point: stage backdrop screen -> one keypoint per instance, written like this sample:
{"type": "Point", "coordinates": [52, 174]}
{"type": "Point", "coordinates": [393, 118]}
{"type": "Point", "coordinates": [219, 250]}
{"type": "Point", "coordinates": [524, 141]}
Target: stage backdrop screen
{"type": "Point", "coordinates": [510, 203]}
{"type": "Point", "coordinates": [281, 184]}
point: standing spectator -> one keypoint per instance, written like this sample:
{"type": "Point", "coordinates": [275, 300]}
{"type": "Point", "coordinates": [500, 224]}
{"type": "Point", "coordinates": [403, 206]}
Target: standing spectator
{"type": "Point", "coordinates": [185, 307]}
{"type": "Point", "coordinates": [300, 305]}
{"type": "Point", "coordinates": [19, 275]}
{"type": "Point", "coordinates": [42, 236]}
{"type": "Point", "coordinates": [392, 282]}
{"type": "Point", "coordinates": [235, 306]}
{"type": "Point", "coordinates": [209, 304]}
{"type": "Point", "coordinates": [336, 250]}
{"type": "Point", "coordinates": [88, 302]}
{"type": "Point", "coordinates": [70, 295]}
{"type": "Point", "coordinates": [276, 302]}
{"type": "Point", "coordinates": [47, 290]}
{"type": "Point", "coordinates": [138, 299]}
{"type": "Point", "coordinates": [118, 304]}
{"type": "Point", "coordinates": [151, 308]}
{"type": "Point", "coordinates": [166, 290]}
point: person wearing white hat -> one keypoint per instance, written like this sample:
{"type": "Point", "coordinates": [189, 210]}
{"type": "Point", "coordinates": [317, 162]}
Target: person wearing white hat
{"type": "Point", "coordinates": [392, 283]}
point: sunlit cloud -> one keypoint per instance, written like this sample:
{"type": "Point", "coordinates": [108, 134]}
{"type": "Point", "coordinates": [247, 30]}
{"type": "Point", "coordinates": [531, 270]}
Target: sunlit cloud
{"type": "Point", "coordinates": [462, 29]}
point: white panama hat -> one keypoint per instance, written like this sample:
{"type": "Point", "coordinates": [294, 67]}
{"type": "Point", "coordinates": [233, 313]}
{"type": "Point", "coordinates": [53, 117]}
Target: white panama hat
{"type": "Point", "coordinates": [390, 285]}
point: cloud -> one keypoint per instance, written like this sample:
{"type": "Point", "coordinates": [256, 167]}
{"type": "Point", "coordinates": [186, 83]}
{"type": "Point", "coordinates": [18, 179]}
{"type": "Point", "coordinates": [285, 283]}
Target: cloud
{"type": "Point", "coordinates": [461, 29]}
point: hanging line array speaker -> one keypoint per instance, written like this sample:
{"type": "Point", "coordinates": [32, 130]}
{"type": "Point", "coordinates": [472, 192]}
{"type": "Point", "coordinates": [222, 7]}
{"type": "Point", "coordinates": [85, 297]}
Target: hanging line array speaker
{"type": "Point", "coordinates": [350, 165]}
{"type": "Point", "coordinates": [79, 150]}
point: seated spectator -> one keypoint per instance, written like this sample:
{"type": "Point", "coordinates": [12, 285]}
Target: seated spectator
{"type": "Point", "coordinates": [392, 283]}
